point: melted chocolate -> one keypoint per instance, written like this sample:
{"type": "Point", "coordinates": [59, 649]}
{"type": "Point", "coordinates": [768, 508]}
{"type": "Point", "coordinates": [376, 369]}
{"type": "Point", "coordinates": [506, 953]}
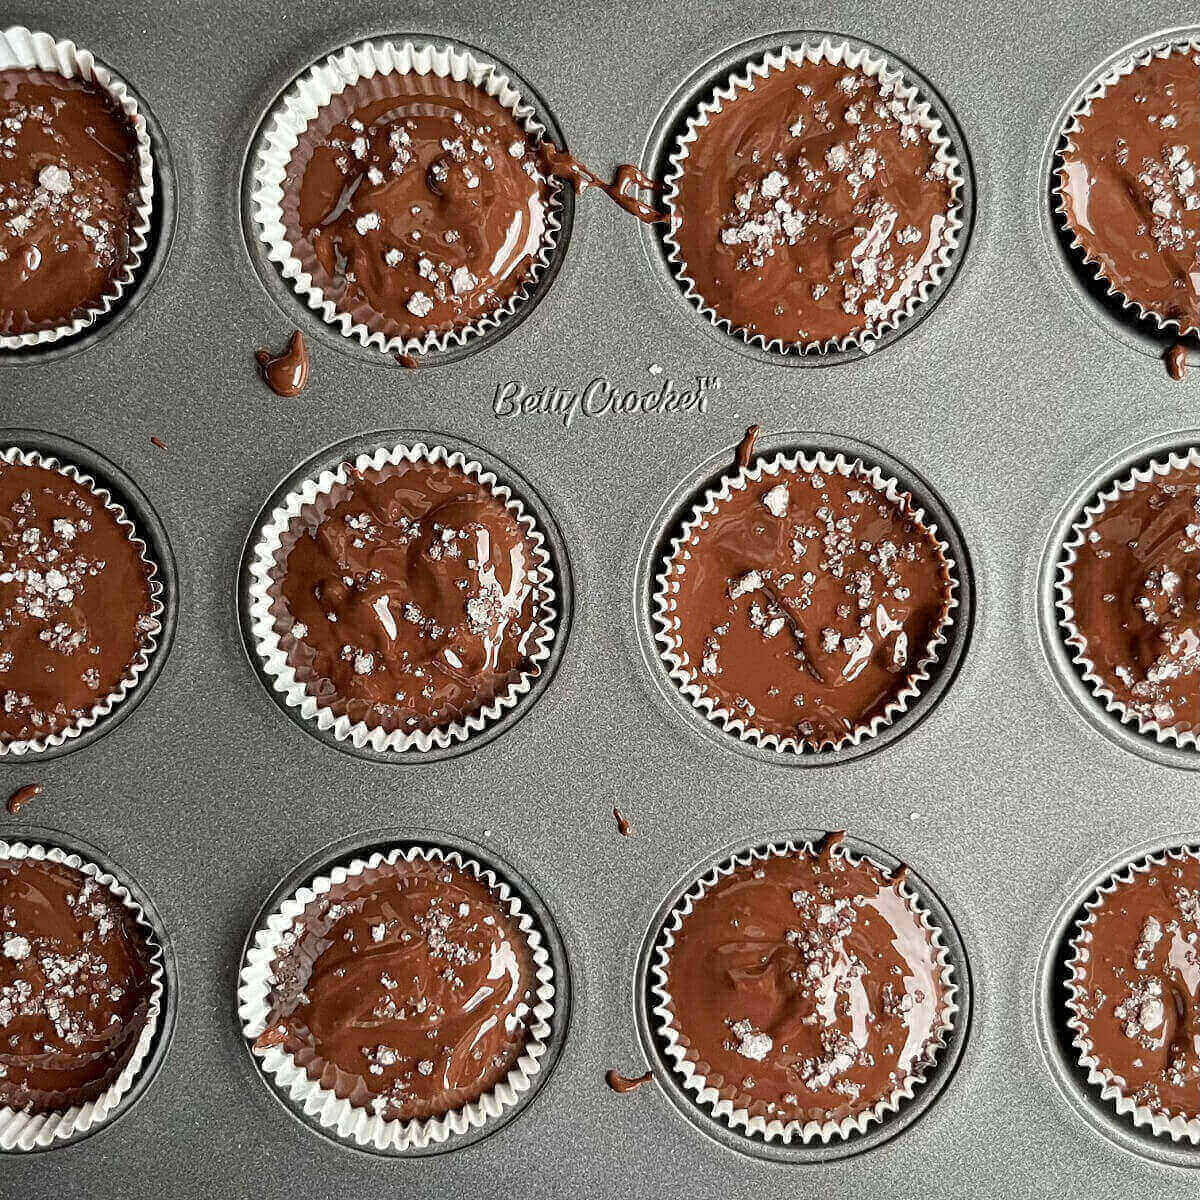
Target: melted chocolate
{"type": "Point", "coordinates": [811, 207]}
{"type": "Point", "coordinates": [406, 990]}
{"type": "Point", "coordinates": [805, 601]}
{"type": "Point", "coordinates": [622, 823]}
{"type": "Point", "coordinates": [1177, 362]}
{"type": "Point", "coordinates": [74, 986]}
{"type": "Point", "coordinates": [68, 197]}
{"type": "Point", "coordinates": [416, 203]}
{"type": "Point", "coordinates": [1139, 988]}
{"type": "Point", "coordinates": [745, 450]}
{"type": "Point", "coordinates": [75, 607]}
{"type": "Point", "coordinates": [22, 797]}
{"type": "Point", "coordinates": [562, 165]}
{"type": "Point", "coordinates": [157, 441]}
{"type": "Point", "coordinates": [1136, 594]}
{"type": "Point", "coordinates": [1130, 190]}
{"type": "Point", "coordinates": [805, 988]}
{"type": "Point", "coordinates": [625, 1083]}
{"type": "Point", "coordinates": [408, 597]}
{"type": "Point", "coordinates": [285, 374]}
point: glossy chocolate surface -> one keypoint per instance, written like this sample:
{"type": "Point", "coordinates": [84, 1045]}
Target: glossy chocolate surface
{"type": "Point", "coordinates": [75, 606]}
{"type": "Point", "coordinates": [408, 598]}
{"type": "Point", "coordinates": [74, 986]}
{"type": "Point", "coordinates": [1136, 595]}
{"type": "Point", "coordinates": [405, 990]}
{"type": "Point", "coordinates": [1130, 190]}
{"type": "Point", "coordinates": [812, 206]}
{"type": "Point", "coordinates": [68, 195]}
{"type": "Point", "coordinates": [805, 987]}
{"type": "Point", "coordinates": [805, 602]}
{"type": "Point", "coordinates": [1139, 986]}
{"type": "Point", "coordinates": [285, 374]}
{"type": "Point", "coordinates": [417, 203]}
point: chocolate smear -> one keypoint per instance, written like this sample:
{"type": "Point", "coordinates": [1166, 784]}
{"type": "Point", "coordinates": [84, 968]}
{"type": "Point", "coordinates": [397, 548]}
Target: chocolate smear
{"type": "Point", "coordinates": [624, 1083]}
{"type": "Point", "coordinates": [745, 450]}
{"type": "Point", "coordinates": [285, 374]}
{"type": "Point", "coordinates": [562, 165]}
{"type": "Point", "coordinates": [22, 796]}
{"type": "Point", "coordinates": [1177, 362]}
{"type": "Point", "coordinates": [622, 823]}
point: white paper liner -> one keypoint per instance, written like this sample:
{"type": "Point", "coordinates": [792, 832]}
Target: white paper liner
{"type": "Point", "coordinates": [1072, 636]}
{"type": "Point", "coordinates": [347, 1120]}
{"type": "Point", "coordinates": [666, 618]}
{"type": "Point", "coordinates": [1112, 1086]}
{"type": "Point", "coordinates": [274, 657]}
{"type": "Point", "coordinates": [21, 47]}
{"type": "Point", "coordinates": [31, 458]}
{"type": "Point", "coordinates": [876, 67]}
{"type": "Point", "coordinates": [21, 1130]}
{"type": "Point", "coordinates": [708, 1096]}
{"type": "Point", "coordinates": [1066, 145]}
{"type": "Point", "coordinates": [301, 104]}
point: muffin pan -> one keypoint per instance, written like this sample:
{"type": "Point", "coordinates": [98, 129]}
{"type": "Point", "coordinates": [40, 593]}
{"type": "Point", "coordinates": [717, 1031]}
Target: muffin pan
{"type": "Point", "coordinates": [1006, 788]}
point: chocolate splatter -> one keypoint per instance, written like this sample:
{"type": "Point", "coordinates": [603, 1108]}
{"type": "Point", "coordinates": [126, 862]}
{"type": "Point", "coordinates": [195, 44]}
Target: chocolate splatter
{"type": "Point", "coordinates": [622, 823]}
{"type": "Point", "coordinates": [158, 442]}
{"type": "Point", "coordinates": [1177, 361]}
{"type": "Point", "coordinates": [273, 1035]}
{"type": "Point", "coordinates": [22, 796]}
{"type": "Point", "coordinates": [745, 450]}
{"type": "Point", "coordinates": [285, 374]}
{"type": "Point", "coordinates": [410, 361]}
{"type": "Point", "coordinates": [623, 1083]}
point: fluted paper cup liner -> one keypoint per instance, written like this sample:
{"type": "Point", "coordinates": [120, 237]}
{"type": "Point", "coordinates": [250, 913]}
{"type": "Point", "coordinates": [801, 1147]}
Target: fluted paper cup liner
{"type": "Point", "coordinates": [681, 1058]}
{"type": "Point", "coordinates": [22, 1130]}
{"type": "Point", "coordinates": [21, 47]}
{"type": "Point", "coordinates": [300, 105]}
{"type": "Point", "coordinates": [875, 66]}
{"type": "Point", "coordinates": [666, 618]}
{"type": "Point", "coordinates": [360, 1125]}
{"type": "Point", "coordinates": [266, 570]}
{"type": "Point", "coordinates": [31, 458]}
{"type": "Point", "coordinates": [1067, 146]}
{"type": "Point", "coordinates": [1112, 1086]}
{"type": "Point", "coordinates": [1065, 602]}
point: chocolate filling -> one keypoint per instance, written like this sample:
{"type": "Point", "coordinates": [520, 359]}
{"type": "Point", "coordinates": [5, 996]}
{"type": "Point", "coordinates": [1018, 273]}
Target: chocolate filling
{"type": "Point", "coordinates": [805, 601]}
{"type": "Point", "coordinates": [408, 597]}
{"type": "Point", "coordinates": [406, 990]}
{"type": "Point", "coordinates": [74, 986]}
{"type": "Point", "coordinates": [417, 203]}
{"type": "Point", "coordinates": [68, 197]}
{"type": "Point", "coordinates": [1136, 595]}
{"type": "Point", "coordinates": [1138, 986]}
{"type": "Point", "coordinates": [1130, 193]}
{"type": "Point", "coordinates": [812, 206]}
{"type": "Point", "coordinates": [75, 605]}
{"type": "Point", "coordinates": [805, 988]}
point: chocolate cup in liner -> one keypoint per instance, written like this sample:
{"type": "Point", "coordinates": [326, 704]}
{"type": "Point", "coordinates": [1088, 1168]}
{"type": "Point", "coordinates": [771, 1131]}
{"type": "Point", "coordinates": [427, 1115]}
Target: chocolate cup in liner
{"type": "Point", "coordinates": [31, 458]}
{"type": "Point", "coordinates": [1112, 1086]}
{"type": "Point", "coordinates": [306, 97]}
{"type": "Point", "coordinates": [347, 1120]}
{"type": "Point", "coordinates": [1067, 145]}
{"type": "Point", "coordinates": [1065, 604]}
{"type": "Point", "coordinates": [21, 47]}
{"type": "Point", "coordinates": [874, 66]}
{"type": "Point", "coordinates": [666, 587]}
{"type": "Point", "coordinates": [22, 1130]}
{"type": "Point", "coordinates": [265, 566]}
{"type": "Point", "coordinates": [722, 1108]}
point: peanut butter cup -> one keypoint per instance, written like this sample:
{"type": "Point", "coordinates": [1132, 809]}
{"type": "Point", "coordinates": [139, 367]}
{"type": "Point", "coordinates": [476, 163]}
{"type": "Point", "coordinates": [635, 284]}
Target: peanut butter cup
{"type": "Point", "coordinates": [76, 990]}
{"type": "Point", "coordinates": [1129, 597]}
{"type": "Point", "coordinates": [813, 201]}
{"type": "Point", "coordinates": [413, 205]}
{"type": "Point", "coordinates": [407, 597]}
{"type": "Point", "coordinates": [1127, 183]}
{"type": "Point", "coordinates": [1135, 991]}
{"type": "Point", "coordinates": [79, 612]}
{"type": "Point", "coordinates": [804, 602]}
{"type": "Point", "coordinates": [412, 987]}
{"type": "Point", "coordinates": [70, 190]}
{"type": "Point", "coordinates": [802, 993]}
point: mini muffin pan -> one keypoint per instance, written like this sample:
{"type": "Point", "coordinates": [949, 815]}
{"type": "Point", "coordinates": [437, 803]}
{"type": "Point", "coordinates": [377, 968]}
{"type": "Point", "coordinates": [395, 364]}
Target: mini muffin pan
{"type": "Point", "coordinates": [1002, 404]}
